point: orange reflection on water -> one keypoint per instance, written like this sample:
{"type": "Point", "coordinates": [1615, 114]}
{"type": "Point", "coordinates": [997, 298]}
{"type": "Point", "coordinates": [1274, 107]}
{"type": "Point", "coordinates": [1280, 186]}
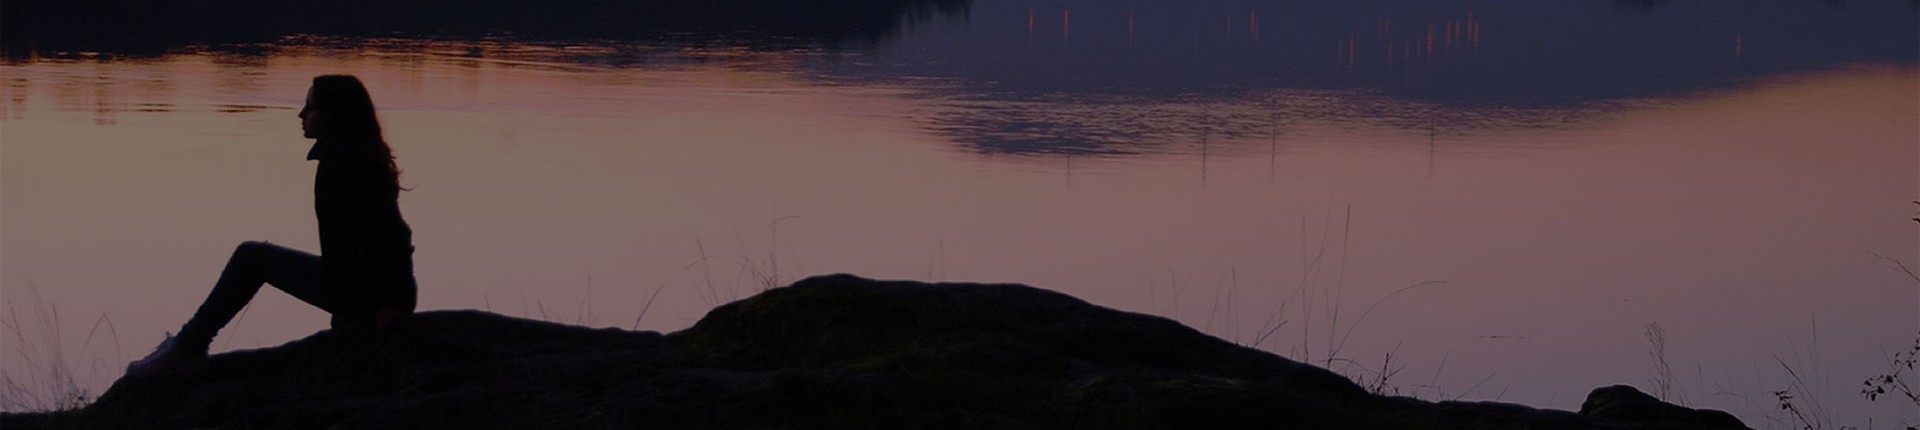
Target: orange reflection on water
{"type": "Point", "coordinates": [1429, 43]}
{"type": "Point", "coordinates": [1029, 25]}
{"type": "Point", "coordinates": [1473, 29]}
{"type": "Point", "coordinates": [1253, 22]}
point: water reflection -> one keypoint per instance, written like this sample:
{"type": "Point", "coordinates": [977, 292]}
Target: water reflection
{"type": "Point", "coordinates": [981, 121]}
{"type": "Point", "coordinates": [1123, 77]}
{"type": "Point", "coordinates": [1467, 65]}
{"type": "Point", "coordinates": [1112, 125]}
{"type": "Point", "coordinates": [1576, 170]}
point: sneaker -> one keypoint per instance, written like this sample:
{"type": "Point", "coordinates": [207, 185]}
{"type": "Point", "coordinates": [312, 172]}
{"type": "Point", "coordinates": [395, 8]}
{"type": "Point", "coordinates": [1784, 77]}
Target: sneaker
{"type": "Point", "coordinates": [168, 357]}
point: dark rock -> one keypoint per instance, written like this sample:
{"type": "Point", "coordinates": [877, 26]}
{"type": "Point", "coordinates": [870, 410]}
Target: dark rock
{"type": "Point", "coordinates": [1626, 404]}
{"type": "Point", "coordinates": [827, 352]}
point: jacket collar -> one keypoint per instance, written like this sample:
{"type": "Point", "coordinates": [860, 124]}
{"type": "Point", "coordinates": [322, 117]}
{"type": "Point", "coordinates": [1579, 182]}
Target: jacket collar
{"type": "Point", "coordinates": [319, 148]}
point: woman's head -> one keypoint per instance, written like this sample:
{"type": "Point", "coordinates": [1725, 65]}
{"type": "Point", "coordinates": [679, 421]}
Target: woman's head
{"type": "Point", "coordinates": [338, 106]}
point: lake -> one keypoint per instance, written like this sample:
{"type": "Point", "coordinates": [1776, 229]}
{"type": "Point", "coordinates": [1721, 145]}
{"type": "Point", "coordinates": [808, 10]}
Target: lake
{"type": "Point", "coordinates": [1492, 201]}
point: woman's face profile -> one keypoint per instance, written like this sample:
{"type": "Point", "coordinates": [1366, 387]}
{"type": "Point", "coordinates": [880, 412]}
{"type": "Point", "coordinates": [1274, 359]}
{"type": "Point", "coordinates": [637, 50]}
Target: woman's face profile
{"type": "Point", "coordinates": [310, 118]}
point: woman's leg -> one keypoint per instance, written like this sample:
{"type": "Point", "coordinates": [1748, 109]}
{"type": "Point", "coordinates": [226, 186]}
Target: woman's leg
{"type": "Point", "coordinates": [253, 263]}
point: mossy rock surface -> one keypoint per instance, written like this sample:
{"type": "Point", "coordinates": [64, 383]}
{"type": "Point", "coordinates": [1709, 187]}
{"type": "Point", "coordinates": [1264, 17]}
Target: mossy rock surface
{"type": "Point", "coordinates": [829, 352]}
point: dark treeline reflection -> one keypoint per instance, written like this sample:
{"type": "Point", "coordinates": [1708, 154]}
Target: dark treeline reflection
{"type": "Point", "coordinates": [154, 27]}
{"type": "Point", "coordinates": [1513, 52]}
{"type": "Point", "coordinates": [1123, 77]}
{"type": "Point", "coordinates": [1097, 77]}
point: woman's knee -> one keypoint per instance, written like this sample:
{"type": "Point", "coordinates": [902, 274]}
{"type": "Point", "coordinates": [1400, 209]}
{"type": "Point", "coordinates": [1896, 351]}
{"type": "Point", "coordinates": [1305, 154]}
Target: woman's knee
{"type": "Point", "coordinates": [250, 253]}
{"type": "Point", "coordinates": [252, 247]}
{"type": "Point", "coordinates": [246, 257]}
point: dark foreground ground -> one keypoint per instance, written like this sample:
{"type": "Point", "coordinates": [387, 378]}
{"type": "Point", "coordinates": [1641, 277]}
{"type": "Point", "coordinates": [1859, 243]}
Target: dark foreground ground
{"type": "Point", "coordinates": [831, 352]}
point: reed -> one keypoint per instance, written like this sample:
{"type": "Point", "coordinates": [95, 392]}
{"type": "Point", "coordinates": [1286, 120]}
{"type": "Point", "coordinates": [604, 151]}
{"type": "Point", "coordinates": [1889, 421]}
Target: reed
{"type": "Point", "coordinates": [41, 376]}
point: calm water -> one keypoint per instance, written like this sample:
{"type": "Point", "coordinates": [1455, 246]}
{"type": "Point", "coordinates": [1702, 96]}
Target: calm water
{"type": "Point", "coordinates": [1553, 178]}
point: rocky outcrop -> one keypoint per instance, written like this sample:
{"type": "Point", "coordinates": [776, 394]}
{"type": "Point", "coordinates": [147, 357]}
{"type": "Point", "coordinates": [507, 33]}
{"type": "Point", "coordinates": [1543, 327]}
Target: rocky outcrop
{"type": "Point", "coordinates": [1626, 404]}
{"type": "Point", "coordinates": [827, 352]}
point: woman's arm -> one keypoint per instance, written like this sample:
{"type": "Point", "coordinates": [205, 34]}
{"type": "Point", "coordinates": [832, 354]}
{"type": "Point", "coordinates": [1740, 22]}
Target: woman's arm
{"type": "Point", "coordinates": [354, 196]}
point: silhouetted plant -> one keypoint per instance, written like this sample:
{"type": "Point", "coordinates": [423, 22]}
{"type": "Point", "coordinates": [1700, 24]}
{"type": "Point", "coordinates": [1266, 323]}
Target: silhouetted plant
{"type": "Point", "coordinates": [44, 378]}
{"type": "Point", "coordinates": [1900, 364]}
{"type": "Point", "coordinates": [1320, 305]}
{"type": "Point", "coordinates": [1895, 380]}
{"type": "Point", "coordinates": [1662, 373]}
{"type": "Point", "coordinates": [1801, 418]}
{"type": "Point", "coordinates": [1378, 381]}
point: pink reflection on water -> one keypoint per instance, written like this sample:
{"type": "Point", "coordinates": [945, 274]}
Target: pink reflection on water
{"type": "Point", "coordinates": [1728, 218]}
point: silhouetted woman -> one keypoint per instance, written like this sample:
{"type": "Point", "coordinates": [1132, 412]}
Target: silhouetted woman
{"type": "Point", "coordinates": [364, 275]}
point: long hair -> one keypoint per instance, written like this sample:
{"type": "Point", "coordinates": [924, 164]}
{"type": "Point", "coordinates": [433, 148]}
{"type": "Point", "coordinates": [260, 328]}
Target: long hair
{"type": "Point", "coordinates": [350, 115]}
